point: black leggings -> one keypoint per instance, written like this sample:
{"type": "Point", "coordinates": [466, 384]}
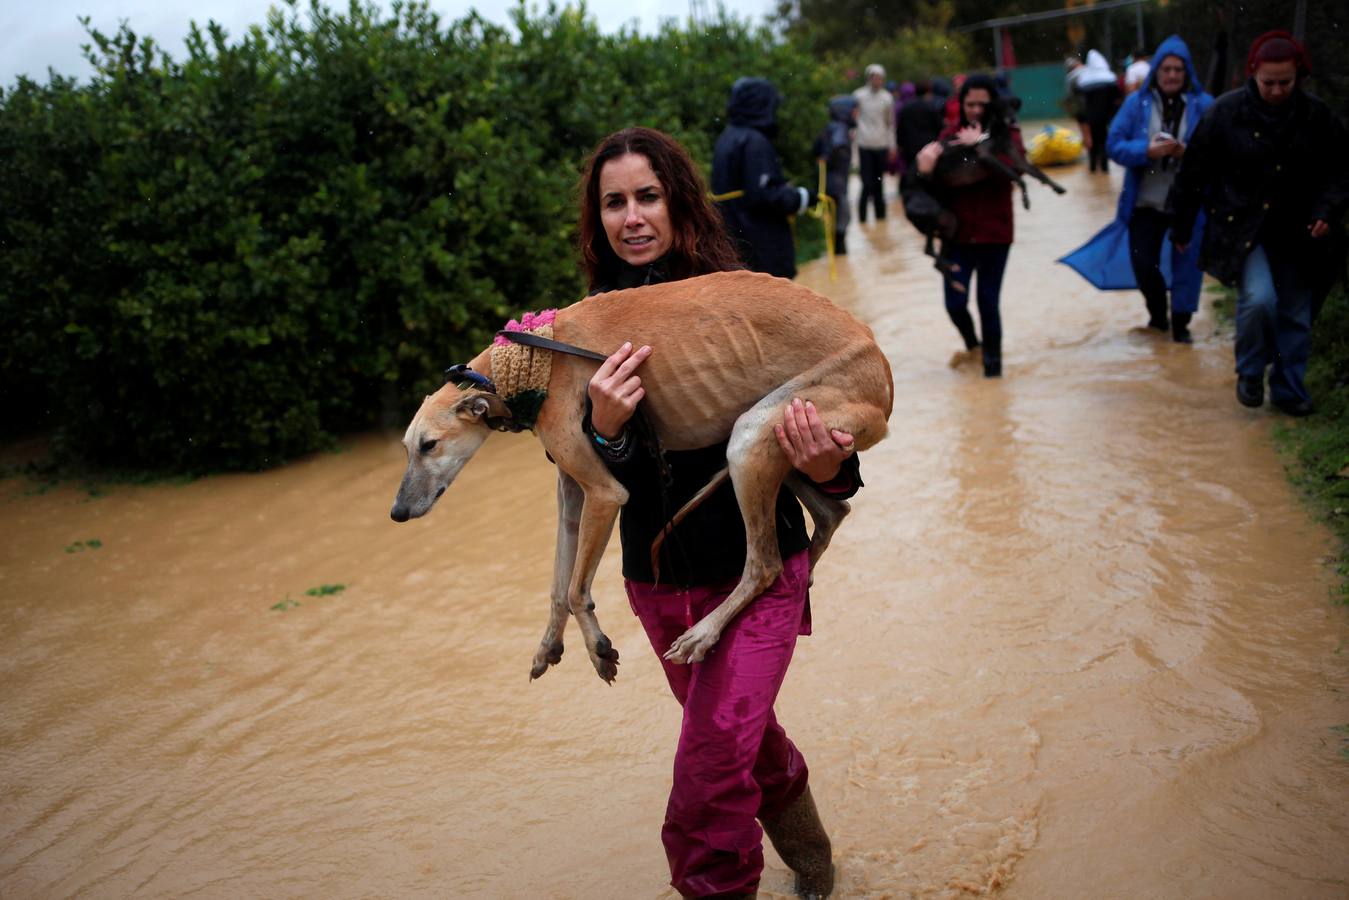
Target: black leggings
{"type": "Point", "coordinates": [872, 164]}
{"type": "Point", "coordinates": [1147, 231]}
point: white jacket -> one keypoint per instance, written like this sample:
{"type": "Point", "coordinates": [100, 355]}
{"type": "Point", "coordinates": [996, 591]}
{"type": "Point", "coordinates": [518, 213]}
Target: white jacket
{"type": "Point", "coordinates": [875, 118]}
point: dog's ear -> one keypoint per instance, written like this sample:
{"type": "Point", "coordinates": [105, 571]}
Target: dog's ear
{"type": "Point", "coordinates": [488, 409]}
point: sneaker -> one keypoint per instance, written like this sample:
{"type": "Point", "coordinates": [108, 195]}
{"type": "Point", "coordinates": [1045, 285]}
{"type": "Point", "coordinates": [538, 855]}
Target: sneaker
{"type": "Point", "coordinates": [1251, 390]}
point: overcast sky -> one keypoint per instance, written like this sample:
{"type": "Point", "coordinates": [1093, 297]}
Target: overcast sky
{"type": "Point", "coordinates": [38, 34]}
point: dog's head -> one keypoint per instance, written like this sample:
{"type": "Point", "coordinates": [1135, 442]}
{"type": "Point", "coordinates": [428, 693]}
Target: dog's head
{"type": "Point", "coordinates": [445, 433]}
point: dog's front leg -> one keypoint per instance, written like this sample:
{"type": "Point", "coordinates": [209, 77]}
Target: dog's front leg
{"type": "Point", "coordinates": [598, 513]}
{"type": "Point", "coordinates": [569, 501]}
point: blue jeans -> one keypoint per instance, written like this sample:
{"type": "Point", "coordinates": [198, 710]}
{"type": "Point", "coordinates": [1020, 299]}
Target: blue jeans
{"type": "Point", "coordinates": [1274, 323]}
{"type": "Point", "coordinates": [990, 261]}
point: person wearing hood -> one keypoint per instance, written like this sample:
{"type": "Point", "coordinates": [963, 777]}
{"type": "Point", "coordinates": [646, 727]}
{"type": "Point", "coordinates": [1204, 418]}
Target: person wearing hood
{"type": "Point", "coordinates": [1148, 137]}
{"type": "Point", "coordinates": [1100, 95]}
{"type": "Point", "coordinates": [1268, 164]}
{"type": "Point", "coordinates": [875, 139]}
{"type": "Point", "coordinates": [744, 160]}
{"type": "Point", "coordinates": [833, 146]}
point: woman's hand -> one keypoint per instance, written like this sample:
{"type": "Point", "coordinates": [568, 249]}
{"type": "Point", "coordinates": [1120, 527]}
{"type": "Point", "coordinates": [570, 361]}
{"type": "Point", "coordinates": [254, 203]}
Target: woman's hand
{"type": "Point", "coordinates": [969, 135]}
{"type": "Point", "coordinates": [1319, 229]}
{"type": "Point", "coordinates": [813, 450]}
{"type": "Point", "coordinates": [615, 391]}
{"type": "Point", "coordinates": [927, 158]}
{"type": "Point", "coordinates": [1163, 146]}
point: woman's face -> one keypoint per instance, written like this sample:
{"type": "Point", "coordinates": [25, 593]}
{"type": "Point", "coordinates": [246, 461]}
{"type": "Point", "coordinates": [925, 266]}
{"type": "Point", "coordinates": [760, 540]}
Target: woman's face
{"type": "Point", "coordinates": [1275, 81]}
{"type": "Point", "coordinates": [975, 105]}
{"type": "Point", "coordinates": [1171, 75]}
{"type": "Point", "coordinates": [633, 210]}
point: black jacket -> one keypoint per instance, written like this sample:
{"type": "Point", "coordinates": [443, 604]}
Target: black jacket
{"type": "Point", "coordinates": [920, 121]}
{"type": "Point", "coordinates": [1263, 174]}
{"type": "Point", "coordinates": [709, 545]}
{"type": "Point", "coordinates": [744, 160]}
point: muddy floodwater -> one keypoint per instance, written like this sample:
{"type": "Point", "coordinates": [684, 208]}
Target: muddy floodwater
{"type": "Point", "coordinates": [1075, 641]}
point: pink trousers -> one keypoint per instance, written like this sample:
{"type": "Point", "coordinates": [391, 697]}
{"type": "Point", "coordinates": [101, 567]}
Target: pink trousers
{"type": "Point", "coordinates": [734, 763]}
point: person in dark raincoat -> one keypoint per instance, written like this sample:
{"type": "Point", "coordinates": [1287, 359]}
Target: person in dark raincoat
{"type": "Point", "coordinates": [1132, 252]}
{"type": "Point", "coordinates": [744, 160]}
{"type": "Point", "coordinates": [834, 146]}
{"type": "Point", "coordinates": [1268, 162]}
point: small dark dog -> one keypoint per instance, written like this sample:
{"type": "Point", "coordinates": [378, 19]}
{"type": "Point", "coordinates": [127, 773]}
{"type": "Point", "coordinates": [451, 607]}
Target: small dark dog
{"type": "Point", "coordinates": [927, 199]}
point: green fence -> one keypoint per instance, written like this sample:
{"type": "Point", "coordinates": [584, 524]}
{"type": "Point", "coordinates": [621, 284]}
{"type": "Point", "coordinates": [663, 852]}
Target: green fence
{"type": "Point", "coordinates": [1041, 90]}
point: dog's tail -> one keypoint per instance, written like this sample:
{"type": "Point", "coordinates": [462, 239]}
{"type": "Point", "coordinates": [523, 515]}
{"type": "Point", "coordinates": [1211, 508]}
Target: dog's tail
{"type": "Point", "coordinates": [704, 492]}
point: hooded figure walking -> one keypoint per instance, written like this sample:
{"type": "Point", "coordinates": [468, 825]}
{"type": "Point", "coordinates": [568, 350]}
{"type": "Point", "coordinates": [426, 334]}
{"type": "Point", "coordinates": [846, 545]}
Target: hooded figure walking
{"type": "Point", "coordinates": [1148, 137]}
{"type": "Point", "coordinates": [834, 147]}
{"type": "Point", "coordinates": [744, 160]}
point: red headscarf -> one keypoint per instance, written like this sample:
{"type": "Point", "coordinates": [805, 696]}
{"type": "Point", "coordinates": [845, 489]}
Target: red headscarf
{"type": "Point", "coordinates": [1278, 46]}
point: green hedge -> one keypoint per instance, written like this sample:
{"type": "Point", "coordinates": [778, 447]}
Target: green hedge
{"type": "Point", "coordinates": [221, 262]}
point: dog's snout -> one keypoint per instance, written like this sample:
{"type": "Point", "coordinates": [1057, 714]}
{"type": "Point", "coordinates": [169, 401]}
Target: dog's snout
{"type": "Point", "coordinates": [399, 513]}
{"type": "Point", "coordinates": [439, 492]}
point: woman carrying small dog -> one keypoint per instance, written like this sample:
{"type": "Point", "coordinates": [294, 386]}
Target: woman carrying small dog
{"type": "Point", "coordinates": [645, 218]}
{"type": "Point", "coordinates": [1268, 163]}
{"type": "Point", "coordinates": [983, 211]}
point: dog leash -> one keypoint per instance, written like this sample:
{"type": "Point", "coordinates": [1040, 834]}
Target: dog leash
{"type": "Point", "coordinates": [529, 339]}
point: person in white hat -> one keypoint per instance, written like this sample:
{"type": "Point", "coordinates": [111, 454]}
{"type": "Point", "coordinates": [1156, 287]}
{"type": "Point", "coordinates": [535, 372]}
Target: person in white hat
{"type": "Point", "coordinates": [875, 139]}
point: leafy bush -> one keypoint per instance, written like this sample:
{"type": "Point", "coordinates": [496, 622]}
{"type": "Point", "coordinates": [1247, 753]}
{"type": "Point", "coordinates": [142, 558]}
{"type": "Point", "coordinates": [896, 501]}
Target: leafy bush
{"type": "Point", "coordinates": [220, 263]}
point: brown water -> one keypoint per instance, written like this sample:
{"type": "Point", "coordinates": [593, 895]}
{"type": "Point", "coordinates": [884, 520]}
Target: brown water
{"type": "Point", "coordinates": [1074, 642]}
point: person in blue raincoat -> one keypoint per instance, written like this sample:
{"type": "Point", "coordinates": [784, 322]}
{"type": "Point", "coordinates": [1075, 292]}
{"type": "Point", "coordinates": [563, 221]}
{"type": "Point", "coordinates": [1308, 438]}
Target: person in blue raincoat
{"type": "Point", "coordinates": [1148, 137]}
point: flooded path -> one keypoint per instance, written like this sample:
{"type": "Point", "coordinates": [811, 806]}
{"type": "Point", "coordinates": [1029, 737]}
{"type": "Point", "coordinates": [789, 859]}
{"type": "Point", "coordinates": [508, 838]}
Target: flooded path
{"type": "Point", "coordinates": [1074, 642]}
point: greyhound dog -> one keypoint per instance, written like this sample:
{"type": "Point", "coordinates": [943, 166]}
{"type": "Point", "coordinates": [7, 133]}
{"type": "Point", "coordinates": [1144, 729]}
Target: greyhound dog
{"type": "Point", "coordinates": [730, 351]}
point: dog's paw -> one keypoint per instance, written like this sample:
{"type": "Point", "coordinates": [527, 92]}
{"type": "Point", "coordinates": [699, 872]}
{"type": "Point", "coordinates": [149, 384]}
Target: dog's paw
{"type": "Point", "coordinates": [547, 655]}
{"type": "Point", "coordinates": [605, 659]}
{"type": "Point", "coordinates": [692, 645]}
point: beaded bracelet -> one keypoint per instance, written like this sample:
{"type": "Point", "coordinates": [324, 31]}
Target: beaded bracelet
{"type": "Point", "coordinates": [613, 447]}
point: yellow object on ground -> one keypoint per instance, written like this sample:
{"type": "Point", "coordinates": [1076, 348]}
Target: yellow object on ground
{"type": "Point", "coordinates": [1054, 146]}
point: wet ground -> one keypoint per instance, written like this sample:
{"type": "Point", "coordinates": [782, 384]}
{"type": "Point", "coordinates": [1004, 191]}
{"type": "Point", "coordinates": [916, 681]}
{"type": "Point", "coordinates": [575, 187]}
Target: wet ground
{"type": "Point", "coordinates": [1075, 641]}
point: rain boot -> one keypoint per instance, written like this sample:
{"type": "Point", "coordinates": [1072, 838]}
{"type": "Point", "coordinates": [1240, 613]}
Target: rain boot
{"type": "Point", "coordinates": [841, 243]}
{"type": "Point", "coordinates": [1157, 313]}
{"type": "Point", "coordinates": [800, 839]}
{"type": "Point", "coordinates": [993, 359]}
{"type": "Point", "coordinates": [1180, 328]}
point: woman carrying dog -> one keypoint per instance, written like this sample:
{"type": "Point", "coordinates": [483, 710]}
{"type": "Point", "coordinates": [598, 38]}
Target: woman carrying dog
{"type": "Point", "coordinates": [983, 211]}
{"type": "Point", "coordinates": [1148, 137]}
{"type": "Point", "coordinates": [1268, 163]}
{"type": "Point", "coordinates": [644, 219]}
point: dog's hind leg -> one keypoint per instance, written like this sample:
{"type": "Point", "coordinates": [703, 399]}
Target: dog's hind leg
{"type": "Point", "coordinates": [569, 500]}
{"type": "Point", "coordinates": [826, 513]}
{"type": "Point", "coordinates": [757, 468]}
